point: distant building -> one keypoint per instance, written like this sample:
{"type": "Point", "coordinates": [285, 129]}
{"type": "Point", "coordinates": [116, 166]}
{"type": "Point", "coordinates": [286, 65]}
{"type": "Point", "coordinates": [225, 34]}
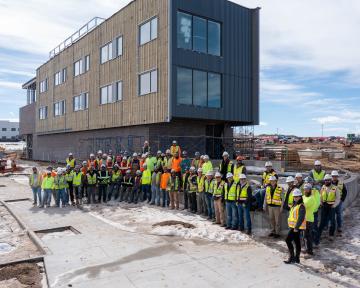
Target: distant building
{"type": "Point", "coordinates": [156, 70]}
{"type": "Point", "coordinates": [9, 131]}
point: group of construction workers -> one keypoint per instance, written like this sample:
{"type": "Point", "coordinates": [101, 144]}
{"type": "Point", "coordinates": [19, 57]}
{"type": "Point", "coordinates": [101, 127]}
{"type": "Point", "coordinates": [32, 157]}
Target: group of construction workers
{"type": "Point", "coordinates": [223, 194]}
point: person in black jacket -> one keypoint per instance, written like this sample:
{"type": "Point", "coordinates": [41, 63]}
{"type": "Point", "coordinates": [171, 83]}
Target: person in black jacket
{"type": "Point", "coordinates": [244, 199]}
{"type": "Point", "coordinates": [296, 222]}
{"type": "Point", "coordinates": [343, 193]}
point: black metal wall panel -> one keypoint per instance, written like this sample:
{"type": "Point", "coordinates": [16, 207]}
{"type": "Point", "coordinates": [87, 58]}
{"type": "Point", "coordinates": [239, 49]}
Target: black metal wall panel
{"type": "Point", "coordinates": [238, 64]}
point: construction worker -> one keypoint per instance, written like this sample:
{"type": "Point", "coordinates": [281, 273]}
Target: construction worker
{"type": "Point", "coordinates": [167, 160]}
{"type": "Point", "coordinates": [310, 205]}
{"type": "Point", "coordinates": [243, 200]}
{"type": "Point", "coordinates": [231, 188]}
{"type": "Point", "coordinates": [317, 174]}
{"type": "Point", "coordinates": [110, 154]}
{"type": "Point", "coordinates": [35, 184]}
{"type": "Point", "coordinates": [146, 148]}
{"type": "Point", "coordinates": [209, 191]}
{"type": "Point", "coordinates": [226, 165]}
{"type": "Point", "coordinates": [176, 164]}
{"type": "Point", "coordinates": [195, 161]}
{"type": "Point", "coordinates": [159, 159]}
{"type": "Point", "coordinates": [218, 197]}
{"type": "Point", "coordinates": [175, 149]}
{"type": "Point", "coordinates": [289, 198]}
{"type": "Point", "coordinates": [124, 166]}
{"type": "Point", "coordinates": [164, 180]}
{"type": "Point", "coordinates": [260, 193]}
{"type": "Point", "coordinates": [192, 182]}
{"type": "Point", "coordinates": [47, 185]}
{"type": "Point", "coordinates": [206, 166]}
{"type": "Point", "coordinates": [174, 190]}
{"type": "Point", "coordinates": [185, 187]}
{"type": "Point", "coordinates": [134, 163]}
{"type": "Point", "coordinates": [330, 198]}
{"type": "Point", "coordinates": [296, 223]}
{"type": "Point", "coordinates": [115, 183]}
{"type": "Point", "coordinates": [109, 163]}
{"type": "Point", "coordinates": [127, 185]}
{"type": "Point", "coordinates": [273, 202]}
{"type": "Point", "coordinates": [316, 193]}
{"type": "Point", "coordinates": [71, 161]}
{"type": "Point", "coordinates": [343, 193]}
{"type": "Point", "coordinates": [84, 170]}
{"type": "Point", "coordinates": [99, 158]}
{"type": "Point", "coordinates": [92, 162]}
{"type": "Point", "coordinates": [239, 168]}
{"type": "Point", "coordinates": [299, 182]}
{"type": "Point", "coordinates": [135, 191]}
{"type": "Point", "coordinates": [91, 182]}
{"type": "Point", "coordinates": [200, 195]}
{"type": "Point", "coordinates": [77, 181]}
{"type": "Point", "coordinates": [146, 184]}
{"type": "Point", "coordinates": [103, 183]}
{"type": "Point", "coordinates": [69, 176]}
{"type": "Point", "coordinates": [59, 187]}
{"type": "Point", "coordinates": [155, 186]}
{"type": "Point", "coordinates": [185, 162]}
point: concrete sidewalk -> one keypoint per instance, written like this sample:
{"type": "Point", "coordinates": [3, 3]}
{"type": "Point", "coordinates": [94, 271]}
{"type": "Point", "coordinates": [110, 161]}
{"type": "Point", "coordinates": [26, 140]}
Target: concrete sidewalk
{"type": "Point", "coordinates": [105, 256]}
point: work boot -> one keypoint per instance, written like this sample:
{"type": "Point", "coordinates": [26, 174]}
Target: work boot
{"type": "Point", "coordinates": [228, 228]}
{"type": "Point", "coordinates": [297, 259]}
{"type": "Point", "coordinates": [272, 234]}
{"type": "Point", "coordinates": [290, 260]}
{"type": "Point", "coordinates": [248, 232]}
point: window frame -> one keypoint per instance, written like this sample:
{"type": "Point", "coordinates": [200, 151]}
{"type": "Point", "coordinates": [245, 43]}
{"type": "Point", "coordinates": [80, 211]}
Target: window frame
{"type": "Point", "coordinates": [43, 86]}
{"type": "Point", "coordinates": [86, 100]}
{"type": "Point", "coordinates": [148, 21]}
{"type": "Point", "coordinates": [108, 87]}
{"type": "Point", "coordinates": [117, 45]}
{"type": "Point", "coordinates": [107, 45]}
{"type": "Point", "coordinates": [43, 116]}
{"type": "Point", "coordinates": [61, 108]}
{"type": "Point", "coordinates": [80, 61]}
{"type": "Point", "coordinates": [150, 82]}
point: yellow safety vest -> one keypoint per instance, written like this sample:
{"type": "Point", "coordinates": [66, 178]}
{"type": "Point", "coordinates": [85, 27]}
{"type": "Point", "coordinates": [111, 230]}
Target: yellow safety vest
{"type": "Point", "coordinates": [237, 171]}
{"type": "Point", "coordinates": [340, 186]}
{"type": "Point", "coordinates": [77, 179]}
{"type": "Point", "coordinates": [69, 176]}
{"type": "Point", "coordinates": [146, 177]}
{"type": "Point", "coordinates": [59, 182]}
{"type": "Point", "coordinates": [209, 186]}
{"type": "Point", "coordinates": [318, 176]}
{"type": "Point", "coordinates": [71, 162]}
{"type": "Point", "coordinates": [293, 218]}
{"type": "Point", "coordinates": [174, 185]}
{"type": "Point", "coordinates": [266, 176]}
{"type": "Point", "coordinates": [47, 183]}
{"type": "Point", "coordinates": [291, 198]}
{"type": "Point", "coordinates": [91, 179]}
{"type": "Point", "coordinates": [328, 196]}
{"type": "Point", "coordinates": [230, 193]}
{"type": "Point", "coordinates": [37, 184]}
{"type": "Point", "coordinates": [200, 182]}
{"type": "Point", "coordinates": [192, 184]}
{"type": "Point", "coordinates": [218, 188]}
{"type": "Point", "coordinates": [242, 196]}
{"type": "Point", "coordinates": [115, 176]}
{"type": "Point", "coordinates": [276, 198]}
{"type": "Point", "coordinates": [229, 166]}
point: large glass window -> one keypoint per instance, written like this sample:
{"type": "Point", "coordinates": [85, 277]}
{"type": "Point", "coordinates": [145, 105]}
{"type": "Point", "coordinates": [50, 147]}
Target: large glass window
{"type": "Point", "coordinates": [106, 95]}
{"type": "Point", "coordinates": [148, 31]}
{"type": "Point", "coordinates": [106, 53]}
{"type": "Point", "coordinates": [60, 77]}
{"type": "Point", "coordinates": [214, 38]}
{"type": "Point", "coordinates": [81, 102]}
{"type": "Point", "coordinates": [184, 86]}
{"type": "Point", "coordinates": [214, 90]}
{"type": "Point", "coordinates": [119, 91]}
{"type": "Point", "coordinates": [44, 86]}
{"type": "Point", "coordinates": [198, 88]}
{"type": "Point", "coordinates": [43, 113]}
{"type": "Point", "coordinates": [148, 82]}
{"type": "Point", "coordinates": [87, 63]}
{"type": "Point", "coordinates": [78, 67]}
{"type": "Point", "coordinates": [198, 34]}
{"type": "Point", "coordinates": [184, 30]}
{"type": "Point", "coordinates": [119, 46]}
{"type": "Point", "coordinates": [59, 108]}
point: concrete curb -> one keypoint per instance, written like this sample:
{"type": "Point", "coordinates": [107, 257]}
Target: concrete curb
{"type": "Point", "coordinates": [23, 260]}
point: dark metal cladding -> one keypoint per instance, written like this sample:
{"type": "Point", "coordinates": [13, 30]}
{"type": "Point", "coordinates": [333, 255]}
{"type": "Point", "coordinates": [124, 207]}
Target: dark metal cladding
{"type": "Point", "coordinates": [238, 63]}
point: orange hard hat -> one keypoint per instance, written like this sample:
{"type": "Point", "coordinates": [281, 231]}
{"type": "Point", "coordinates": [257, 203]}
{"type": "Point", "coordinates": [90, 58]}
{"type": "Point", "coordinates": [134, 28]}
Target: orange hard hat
{"type": "Point", "coordinates": [240, 158]}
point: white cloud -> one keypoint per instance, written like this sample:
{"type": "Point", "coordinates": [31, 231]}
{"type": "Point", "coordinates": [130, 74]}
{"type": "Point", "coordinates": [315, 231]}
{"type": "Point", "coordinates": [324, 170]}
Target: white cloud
{"type": "Point", "coordinates": [344, 116]}
{"type": "Point", "coordinates": [10, 84]}
{"type": "Point", "coordinates": [263, 123]}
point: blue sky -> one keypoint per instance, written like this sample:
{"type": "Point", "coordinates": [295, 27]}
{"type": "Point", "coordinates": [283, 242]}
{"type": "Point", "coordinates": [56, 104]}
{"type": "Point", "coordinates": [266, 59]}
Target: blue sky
{"type": "Point", "coordinates": [310, 60]}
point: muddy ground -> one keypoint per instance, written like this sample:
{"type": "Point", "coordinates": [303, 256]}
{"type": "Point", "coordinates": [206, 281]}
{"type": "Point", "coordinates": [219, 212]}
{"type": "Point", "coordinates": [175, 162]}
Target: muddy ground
{"type": "Point", "coordinates": [21, 275]}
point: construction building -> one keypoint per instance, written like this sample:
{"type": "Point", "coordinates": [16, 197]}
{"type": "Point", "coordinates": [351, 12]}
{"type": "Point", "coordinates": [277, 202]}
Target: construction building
{"type": "Point", "coordinates": [9, 131]}
{"type": "Point", "coordinates": [155, 70]}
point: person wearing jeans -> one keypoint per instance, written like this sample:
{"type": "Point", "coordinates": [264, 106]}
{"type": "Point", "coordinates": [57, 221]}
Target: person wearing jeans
{"type": "Point", "coordinates": [230, 197]}
{"type": "Point", "coordinates": [164, 187]}
{"type": "Point", "coordinates": [35, 184]}
{"type": "Point", "coordinates": [244, 195]}
{"type": "Point", "coordinates": [155, 182]}
{"type": "Point", "coordinates": [208, 191]}
{"type": "Point", "coordinates": [47, 186]}
{"type": "Point", "coordinates": [310, 205]}
{"type": "Point", "coordinates": [343, 193]}
{"type": "Point", "coordinates": [59, 186]}
{"type": "Point", "coordinates": [146, 183]}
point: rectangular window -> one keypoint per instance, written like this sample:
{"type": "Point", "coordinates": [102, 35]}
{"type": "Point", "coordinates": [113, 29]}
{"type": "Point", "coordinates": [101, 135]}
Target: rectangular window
{"type": "Point", "coordinates": [13, 129]}
{"type": "Point", "coordinates": [184, 86]}
{"type": "Point", "coordinates": [106, 95]}
{"type": "Point", "coordinates": [31, 96]}
{"type": "Point", "coordinates": [63, 75]}
{"type": "Point", "coordinates": [78, 67]}
{"type": "Point", "coordinates": [198, 34]}
{"type": "Point", "coordinates": [106, 53]}
{"type": "Point", "coordinates": [81, 102]}
{"type": "Point", "coordinates": [148, 31]}
{"type": "Point", "coordinates": [3, 129]}
{"type": "Point", "coordinates": [43, 113]}
{"type": "Point", "coordinates": [87, 63]}
{"type": "Point", "coordinates": [119, 91]}
{"type": "Point", "coordinates": [119, 46]}
{"type": "Point", "coordinates": [60, 77]}
{"type": "Point", "coordinates": [44, 85]}
{"type": "Point", "coordinates": [148, 82]}
{"type": "Point", "coordinates": [198, 88]}
{"type": "Point", "coordinates": [59, 108]}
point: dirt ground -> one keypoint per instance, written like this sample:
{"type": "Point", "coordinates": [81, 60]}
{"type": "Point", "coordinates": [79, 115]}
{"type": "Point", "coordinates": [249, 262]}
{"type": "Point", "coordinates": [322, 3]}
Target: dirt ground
{"type": "Point", "coordinates": [352, 163]}
{"type": "Point", "coordinates": [21, 275]}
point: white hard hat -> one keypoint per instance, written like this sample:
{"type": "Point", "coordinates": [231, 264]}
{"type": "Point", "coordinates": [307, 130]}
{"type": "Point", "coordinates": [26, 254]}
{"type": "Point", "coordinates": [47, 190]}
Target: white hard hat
{"type": "Point", "coordinates": [159, 152]}
{"type": "Point", "coordinates": [209, 173]}
{"type": "Point", "coordinates": [272, 178]}
{"type": "Point", "coordinates": [327, 177]}
{"type": "Point", "coordinates": [84, 163]}
{"type": "Point", "coordinates": [200, 170]}
{"type": "Point", "coordinates": [290, 179]}
{"type": "Point", "coordinates": [206, 157]}
{"type": "Point", "coordinates": [317, 163]}
{"type": "Point", "coordinates": [335, 173]}
{"type": "Point", "coordinates": [58, 170]}
{"type": "Point", "coordinates": [174, 142]}
{"type": "Point", "coordinates": [70, 154]}
{"type": "Point", "coordinates": [168, 151]}
{"type": "Point", "coordinates": [229, 175]}
{"type": "Point", "coordinates": [268, 164]}
{"type": "Point", "coordinates": [135, 155]}
{"type": "Point", "coordinates": [225, 154]}
{"type": "Point", "coordinates": [298, 175]}
{"type": "Point", "coordinates": [143, 155]}
{"type": "Point", "coordinates": [124, 158]}
{"type": "Point", "coordinates": [242, 176]}
{"type": "Point", "coordinates": [192, 168]}
{"type": "Point", "coordinates": [109, 158]}
{"type": "Point", "coordinates": [99, 152]}
{"type": "Point", "coordinates": [217, 174]}
{"type": "Point", "coordinates": [92, 155]}
{"type": "Point", "coordinates": [296, 192]}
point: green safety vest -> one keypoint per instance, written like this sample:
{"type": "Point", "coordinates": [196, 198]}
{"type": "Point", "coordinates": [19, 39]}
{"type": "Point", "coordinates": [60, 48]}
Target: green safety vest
{"type": "Point", "coordinates": [328, 196]}
{"type": "Point", "coordinates": [59, 182]}
{"type": "Point", "coordinates": [47, 183]}
{"type": "Point", "coordinates": [146, 177]}
{"type": "Point", "coordinates": [230, 192]}
{"type": "Point", "coordinates": [242, 196]}
{"type": "Point", "coordinates": [229, 166]}
{"type": "Point", "coordinates": [318, 176]}
{"type": "Point", "coordinates": [209, 186]}
{"type": "Point", "coordinates": [310, 205]}
{"type": "Point", "coordinates": [174, 185]}
{"type": "Point", "coordinates": [218, 188]}
{"type": "Point", "coordinates": [266, 176]}
{"type": "Point", "coordinates": [237, 171]}
{"type": "Point", "coordinates": [291, 198]}
{"type": "Point", "coordinates": [69, 176]}
{"type": "Point", "coordinates": [37, 184]}
{"type": "Point", "coordinates": [276, 198]}
{"type": "Point", "coordinates": [200, 183]}
{"type": "Point", "coordinates": [91, 179]}
{"type": "Point", "coordinates": [104, 180]}
{"type": "Point", "coordinates": [115, 176]}
{"type": "Point", "coordinates": [71, 162]}
{"type": "Point", "coordinates": [192, 185]}
{"type": "Point", "coordinates": [316, 193]}
{"type": "Point", "coordinates": [77, 179]}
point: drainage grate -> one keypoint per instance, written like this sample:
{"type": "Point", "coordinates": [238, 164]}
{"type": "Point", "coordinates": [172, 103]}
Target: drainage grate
{"type": "Point", "coordinates": [18, 200]}
{"type": "Point", "coordinates": [58, 232]}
